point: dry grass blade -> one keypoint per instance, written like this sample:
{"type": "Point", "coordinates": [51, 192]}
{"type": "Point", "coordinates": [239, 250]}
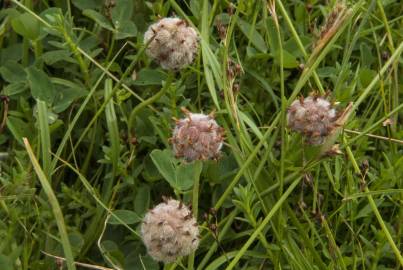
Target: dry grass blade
{"type": "Point", "coordinates": [85, 265]}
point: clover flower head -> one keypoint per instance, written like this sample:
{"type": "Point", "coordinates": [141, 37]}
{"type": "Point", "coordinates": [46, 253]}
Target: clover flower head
{"type": "Point", "coordinates": [170, 231]}
{"type": "Point", "coordinates": [172, 43]}
{"type": "Point", "coordinates": [315, 117]}
{"type": "Point", "coordinates": [197, 137]}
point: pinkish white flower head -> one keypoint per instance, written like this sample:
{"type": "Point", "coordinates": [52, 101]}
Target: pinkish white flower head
{"type": "Point", "coordinates": [197, 137]}
{"type": "Point", "coordinates": [173, 43]}
{"type": "Point", "coordinates": [314, 116]}
{"type": "Point", "coordinates": [170, 231]}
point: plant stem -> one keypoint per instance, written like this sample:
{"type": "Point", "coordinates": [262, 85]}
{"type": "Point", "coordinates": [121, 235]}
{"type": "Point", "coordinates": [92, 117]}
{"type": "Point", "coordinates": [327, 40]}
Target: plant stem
{"type": "Point", "coordinates": [148, 101]}
{"type": "Point", "coordinates": [57, 211]}
{"type": "Point", "coordinates": [195, 207]}
{"type": "Point", "coordinates": [374, 207]}
{"type": "Point", "coordinates": [263, 224]}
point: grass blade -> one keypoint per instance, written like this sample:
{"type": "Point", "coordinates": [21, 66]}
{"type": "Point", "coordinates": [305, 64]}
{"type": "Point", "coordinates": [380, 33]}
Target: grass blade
{"type": "Point", "coordinates": [57, 211]}
{"type": "Point", "coordinates": [263, 224]}
{"type": "Point", "coordinates": [45, 137]}
{"type": "Point", "coordinates": [111, 122]}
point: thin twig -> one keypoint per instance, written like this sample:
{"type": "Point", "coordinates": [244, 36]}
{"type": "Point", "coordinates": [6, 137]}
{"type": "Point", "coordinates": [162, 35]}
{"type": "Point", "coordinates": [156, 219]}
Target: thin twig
{"type": "Point", "coordinates": [86, 265]}
{"type": "Point", "coordinates": [374, 136]}
{"type": "Point", "coordinates": [5, 100]}
{"type": "Point", "coordinates": [368, 135]}
{"type": "Point", "coordinates": [104, 253]}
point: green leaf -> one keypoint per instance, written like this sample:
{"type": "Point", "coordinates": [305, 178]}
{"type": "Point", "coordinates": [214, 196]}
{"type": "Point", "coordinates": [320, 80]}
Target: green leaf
{"type": "Point", "coordinates": [122, 12]}
{"type": "Point", "coordinates": [289, 60]}
{"type": "Point", "coordinates": [19, 128]}
{"type": "Point", "coordinates": [52, 16]}
{"type": "Point", "coordinates": [52, 57]}
{"type": "Point", "coordinates": [15, 88]}
{"type": "Point", "coordinates": [126, 29]}
{"type": "Point", "coordinates": [40, 84]}
{"type": "Point", "coordinates": [88, 4]}
{"type": "Point", "coordinates": [99, 19]}
{"type": "Point", "coordinates": [195, 7]}
{"type": "Point", "coordinates": [254, 36]}
{"type": "Point", "coordinates": [148, 76]}
{"type": "Point", "coordinates": [26, 25]}
{"type": "Point", "coordinates": [366, 210]}
{"type": "Point", "coordinates": [165, 163]}
{"type": "Point", "coordinates": [121, 19]}
{"type": "Point", "coordinates": [66, 93]}
{"type": "Point", "coordinates": [219, 171]}
{"type": "Point", "coordinates": [272, 35]}
{"type": "Point", "coordinates": [13, 72]}
{"type": "Point", "coordinates": [366, 76]}
{"type": "Point", "coordinates": [5, 263]}
{"type": "Point", "coordinates": [11, 53]}
{"type": "Point", "coordinates": [142, 199]}
{"type": "Point", "coordinates": [367, 57]}
{"type": "Point", "coordinates": [180, 177]}
{"type": "Point", "coordinates": [127, 216]}
{"type": "Point", "coordinates": [187, 174]}
{"type": "Point", "coordinates": [326, 72]}
{"type": "Point", "coordinates": [150, 172]}
{"type": "Point", "coordinates": [10, 12]}
{"type": "Point", "coordinates": [76, 241]}
{"type": "Point", "coordinates": [135, 260]}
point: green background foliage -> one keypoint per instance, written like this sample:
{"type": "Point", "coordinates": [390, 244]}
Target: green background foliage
{"type": "Point", "coordinates": [86, 119]}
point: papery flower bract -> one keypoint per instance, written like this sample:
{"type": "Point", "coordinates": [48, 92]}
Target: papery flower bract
{"type": "Point", "coordinates": [197, 137]}
{"type": "Point", "coordinates": [173, 44]}
{"type": "Point", "coordinates": [170, 231]}
{"type": "Point", "coordinates": [315, 117]}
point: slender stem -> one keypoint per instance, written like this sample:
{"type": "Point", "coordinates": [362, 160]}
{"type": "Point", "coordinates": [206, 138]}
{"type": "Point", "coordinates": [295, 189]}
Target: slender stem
{"type": "Point", "coordinates": [195, 207]}
{"type": "Point", "coordinates": [222, 233]}
{"type": "Point", "coordinates": [111, 47]}
{"type": "Point", "coordinates": [383, 226]}
{"type": "Point", "coordinates": [54, 203]}
{"type": "Point", "coordinates": [375, 125]}
{"type": "Point", "coordinates": [263, 224]}
{"type": "Point", "coordinates": [385, 67]}
{"type": "Point", "coordinates": [299, 42]}
{"type": "Point", "coordinates": [395, 85]}
{"type": "Point", "coordinates": [74, 48]}
{"type": "Point", "coordinates": [282, 124]}
{"type": "Point", "coordinates": [149, 101]}
{"type": "Point", "coordinates": [374, 207]}
{"type": "Point", "coordinates": [84, 265]}
{"type": "Point", "coordinates": [44, 137]}
{"type": "Point", "coordinates": [25, 52]}
{"type": "Point", "coordinates": [245, 165]}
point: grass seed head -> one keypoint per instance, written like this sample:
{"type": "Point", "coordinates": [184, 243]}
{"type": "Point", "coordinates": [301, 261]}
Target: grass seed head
{"type": "Point", "coordinates": [170, 231]}
{"type": "Point", "coordinates": [313, 116]}
{"type": "Point", "coordinates": [173, 44]}
{"type": "Point", "coordinates": [197, 137]}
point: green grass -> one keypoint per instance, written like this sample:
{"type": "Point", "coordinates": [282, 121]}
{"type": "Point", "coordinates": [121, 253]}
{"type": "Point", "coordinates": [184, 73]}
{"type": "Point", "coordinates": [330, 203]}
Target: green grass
{"type": "Point", "coordinates": [86, 119]}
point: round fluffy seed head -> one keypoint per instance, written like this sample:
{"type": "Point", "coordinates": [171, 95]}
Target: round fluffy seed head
{"type": "Point", "coordinates": [170, 231]}
{"type": "Point", "coordinates": [175, 44]}
{"type": "Point", "coordinates": [313, 116]}
{"type": "Point", "coordinates": [197, 137]}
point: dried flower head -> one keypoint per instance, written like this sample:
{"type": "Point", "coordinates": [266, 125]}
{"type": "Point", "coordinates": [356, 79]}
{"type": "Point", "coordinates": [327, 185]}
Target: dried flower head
{"type": "Point", "coordinates": [170, 231]}
{"type": "Point", "coordinates": [197, 137]}
{"type": "Point", "coordinates": [339, 14]}
{"type": "Point", "coordinates": [173, 44]}
{"type": "Point", "coordinates": [314, 116]}
{"type": "Point", "coordinates": [332, 18]}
